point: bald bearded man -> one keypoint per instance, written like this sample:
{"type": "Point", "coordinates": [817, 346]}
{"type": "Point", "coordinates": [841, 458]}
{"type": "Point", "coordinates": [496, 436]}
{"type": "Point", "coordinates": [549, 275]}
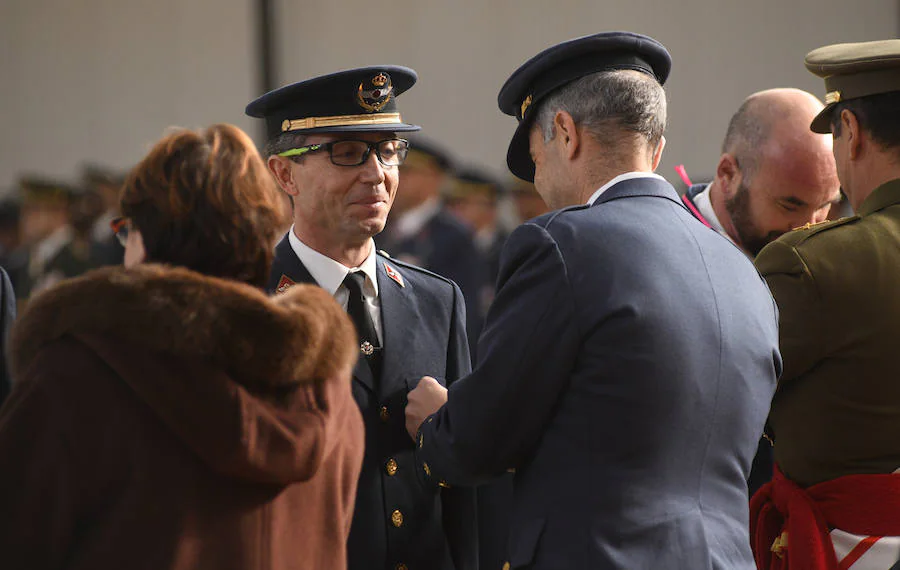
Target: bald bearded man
{"type": "Point", "coordinates": [774, 174]}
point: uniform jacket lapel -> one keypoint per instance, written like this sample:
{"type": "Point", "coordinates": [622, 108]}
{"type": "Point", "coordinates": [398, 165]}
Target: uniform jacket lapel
{"type": "Point", "coordinates": [287, 264]}
{"type": "Point", "coordinates": [395, 310]}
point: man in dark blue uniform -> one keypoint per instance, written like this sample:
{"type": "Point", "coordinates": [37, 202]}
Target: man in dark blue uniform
{"type": "Point", "coordinates": [629, 358]}
{"type": "Point", "coordinates": [334, 146]}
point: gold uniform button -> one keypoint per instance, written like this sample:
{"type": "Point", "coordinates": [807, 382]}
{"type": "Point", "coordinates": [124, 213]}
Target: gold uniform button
{"type": "Point", "coordinates": [421, 440]}
{"type": "Point", "coordinates": [397, 518]}
{"type": "Point", "coordinates": [401, 566]}
{"type": "Point", "coordinates": [506, 566]}
{"type": "Point", "coordinates": [427, 468]}
{"type": "Point", "coordinates": [385, 416]}
{"type": "Point", "coordinates": [391, 467]}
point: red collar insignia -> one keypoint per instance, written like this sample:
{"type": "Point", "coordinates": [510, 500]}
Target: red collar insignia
{"type": "Point", "coordinates": [284, 284]}
{"type": "Point", "coordinates": [393, 274]}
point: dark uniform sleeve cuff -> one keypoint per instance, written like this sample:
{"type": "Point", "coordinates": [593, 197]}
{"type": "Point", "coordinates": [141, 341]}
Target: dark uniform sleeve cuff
{"type": "Point", "coordinates": [421, 451]}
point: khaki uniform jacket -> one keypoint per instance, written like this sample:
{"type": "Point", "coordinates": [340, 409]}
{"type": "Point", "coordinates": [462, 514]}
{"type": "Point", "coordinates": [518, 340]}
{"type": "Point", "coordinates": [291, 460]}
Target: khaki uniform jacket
{"type": "Point", "coordinates": [837, 284]}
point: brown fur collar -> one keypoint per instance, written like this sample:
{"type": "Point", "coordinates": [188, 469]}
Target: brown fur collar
{"type": "Point", "coordinates": [261, 342]}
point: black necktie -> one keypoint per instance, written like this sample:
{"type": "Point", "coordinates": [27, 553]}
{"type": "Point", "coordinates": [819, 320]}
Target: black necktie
{"type": "Point", "coordinates": [359, 314]}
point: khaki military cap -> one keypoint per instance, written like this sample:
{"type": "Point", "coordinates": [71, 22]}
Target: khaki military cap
{"type": "Point", "coordinates": [852, 71]}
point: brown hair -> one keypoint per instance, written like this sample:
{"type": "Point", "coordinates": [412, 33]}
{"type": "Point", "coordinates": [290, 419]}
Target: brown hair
{"type": "Point", "coordinates": [205, 200]}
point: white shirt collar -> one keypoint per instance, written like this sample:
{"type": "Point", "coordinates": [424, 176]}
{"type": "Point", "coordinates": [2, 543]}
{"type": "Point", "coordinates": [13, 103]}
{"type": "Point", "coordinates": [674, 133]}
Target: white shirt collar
{"type": "Point", "coordinates": [412, 221]}
{"type": "Point", "coordinates": [328, 273]}
{"type": "Point", "coordinates": [622, 178]}
{"type": "Point", "coordinates": [704, 205]}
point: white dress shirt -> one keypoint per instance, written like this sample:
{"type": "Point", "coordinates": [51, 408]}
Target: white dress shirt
{"type": "Point", "coordinates": [622, 178]}
{"type": "Point", "coordinates": [330, 275]}
{"type": "Point", "coordinates": [705, 207]}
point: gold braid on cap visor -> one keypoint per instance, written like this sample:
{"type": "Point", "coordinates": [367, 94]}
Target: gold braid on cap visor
{"type": "Point", "coordinates": [340, 121]}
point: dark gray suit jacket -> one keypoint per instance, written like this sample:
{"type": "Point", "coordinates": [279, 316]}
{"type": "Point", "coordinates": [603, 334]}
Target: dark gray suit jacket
{"type": "Point", "coordinates": [625, 371]}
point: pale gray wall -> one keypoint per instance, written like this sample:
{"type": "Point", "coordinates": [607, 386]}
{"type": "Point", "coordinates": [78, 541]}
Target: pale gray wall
{"type": "Point", "coordinates": [100, 80]}
{"type": "Point", "coordinates": [723, 50]}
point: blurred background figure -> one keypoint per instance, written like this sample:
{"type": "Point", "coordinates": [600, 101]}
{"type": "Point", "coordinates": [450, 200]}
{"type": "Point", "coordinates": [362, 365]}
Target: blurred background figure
{"type": "Point", "coordinates": [421, 231]}
{"type": "Point", "coordinates": [179, 412]}
{"type": "Point", "coordinates": [774, 174]}
{"type": "Point", "coordinates": [473, 196]}
{"type": "Point", "coordinates": [10, 231]}
{"type": "Point", "coordinates": [527, 202]}
{"type": "Point", "coordinates": [7, 317]}
{"type": "Point", "coordinates": [46, 237]}
{"type": "Point", "coordinates": [102, 188]}
{"type": "Point", "coordinates": [59, 230]}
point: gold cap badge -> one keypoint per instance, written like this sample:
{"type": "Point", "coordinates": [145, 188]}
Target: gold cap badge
{"type": "Point", "coordinates": [374, 97]}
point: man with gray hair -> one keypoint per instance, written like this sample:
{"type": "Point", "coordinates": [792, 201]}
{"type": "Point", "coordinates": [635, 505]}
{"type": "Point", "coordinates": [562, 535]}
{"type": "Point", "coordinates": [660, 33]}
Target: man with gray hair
{"type": "Point", "coordinates": [629, 358]}
{"type": "Point", "coordinates": [774, 174]}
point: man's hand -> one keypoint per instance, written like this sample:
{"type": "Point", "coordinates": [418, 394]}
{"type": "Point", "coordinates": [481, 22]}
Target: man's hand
{"type": "Point", "coordinates": [426, 399]}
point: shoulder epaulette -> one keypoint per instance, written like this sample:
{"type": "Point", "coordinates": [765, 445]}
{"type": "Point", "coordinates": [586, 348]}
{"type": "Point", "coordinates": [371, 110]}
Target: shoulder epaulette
{"type": "Point", "coordinates": [411, 267]}
{"type": "Point", "coordinates": [804, 232]}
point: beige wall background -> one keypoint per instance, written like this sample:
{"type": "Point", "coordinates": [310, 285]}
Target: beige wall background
{"type": "Point", "coordinates": [100, 80]}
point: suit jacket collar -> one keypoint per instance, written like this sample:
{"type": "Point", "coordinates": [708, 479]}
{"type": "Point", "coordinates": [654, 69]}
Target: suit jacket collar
{"type": "Point", "coordinates": [885, 195]}
{"type": "Point", "coordinates": [696, 189]}
{"type": "Point", "coordinates": [330, 274]}
{"type": "Point", "coordinates": [287, 264]}
{"type": "Point", "coordinates": [621, 178]}
{"type": "Point", "coordinates": [397, 307]}
{"type": "Point", "coordinates": [632, 188]}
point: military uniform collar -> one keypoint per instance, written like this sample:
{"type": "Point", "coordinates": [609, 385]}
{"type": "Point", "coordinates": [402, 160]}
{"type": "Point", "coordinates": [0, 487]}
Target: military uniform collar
{"type": "Point", "coordinates": [328, 273]}
{"type": "Point", "coordinates": [621, 178]}
{"type": "Point", "coordinates": [885, 195]}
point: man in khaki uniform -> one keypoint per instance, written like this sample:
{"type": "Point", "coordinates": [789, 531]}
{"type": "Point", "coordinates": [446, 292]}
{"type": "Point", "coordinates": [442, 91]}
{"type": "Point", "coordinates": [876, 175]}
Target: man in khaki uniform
{"type": "Point", "coordinates": [836, 411]}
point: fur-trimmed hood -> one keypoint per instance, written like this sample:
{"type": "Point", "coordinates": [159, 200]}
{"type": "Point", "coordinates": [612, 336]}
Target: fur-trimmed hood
{"type": "Point", "coordinates": [245, 380]}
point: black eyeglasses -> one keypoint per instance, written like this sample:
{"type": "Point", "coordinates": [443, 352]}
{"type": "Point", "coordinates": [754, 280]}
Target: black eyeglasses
{"type": "Point", "coordinates": [120, 227]}
{"type": "Point", "coordinates": [351, 152]}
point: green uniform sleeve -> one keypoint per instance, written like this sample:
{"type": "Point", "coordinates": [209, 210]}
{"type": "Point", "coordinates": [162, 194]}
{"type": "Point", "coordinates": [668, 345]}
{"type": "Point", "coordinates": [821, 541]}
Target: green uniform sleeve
{"type": "Point", "coordinates": [801, 311]}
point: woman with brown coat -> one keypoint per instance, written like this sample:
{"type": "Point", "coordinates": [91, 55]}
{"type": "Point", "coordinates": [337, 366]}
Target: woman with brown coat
{"type": "Point", "coordinates": [173, 416]}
